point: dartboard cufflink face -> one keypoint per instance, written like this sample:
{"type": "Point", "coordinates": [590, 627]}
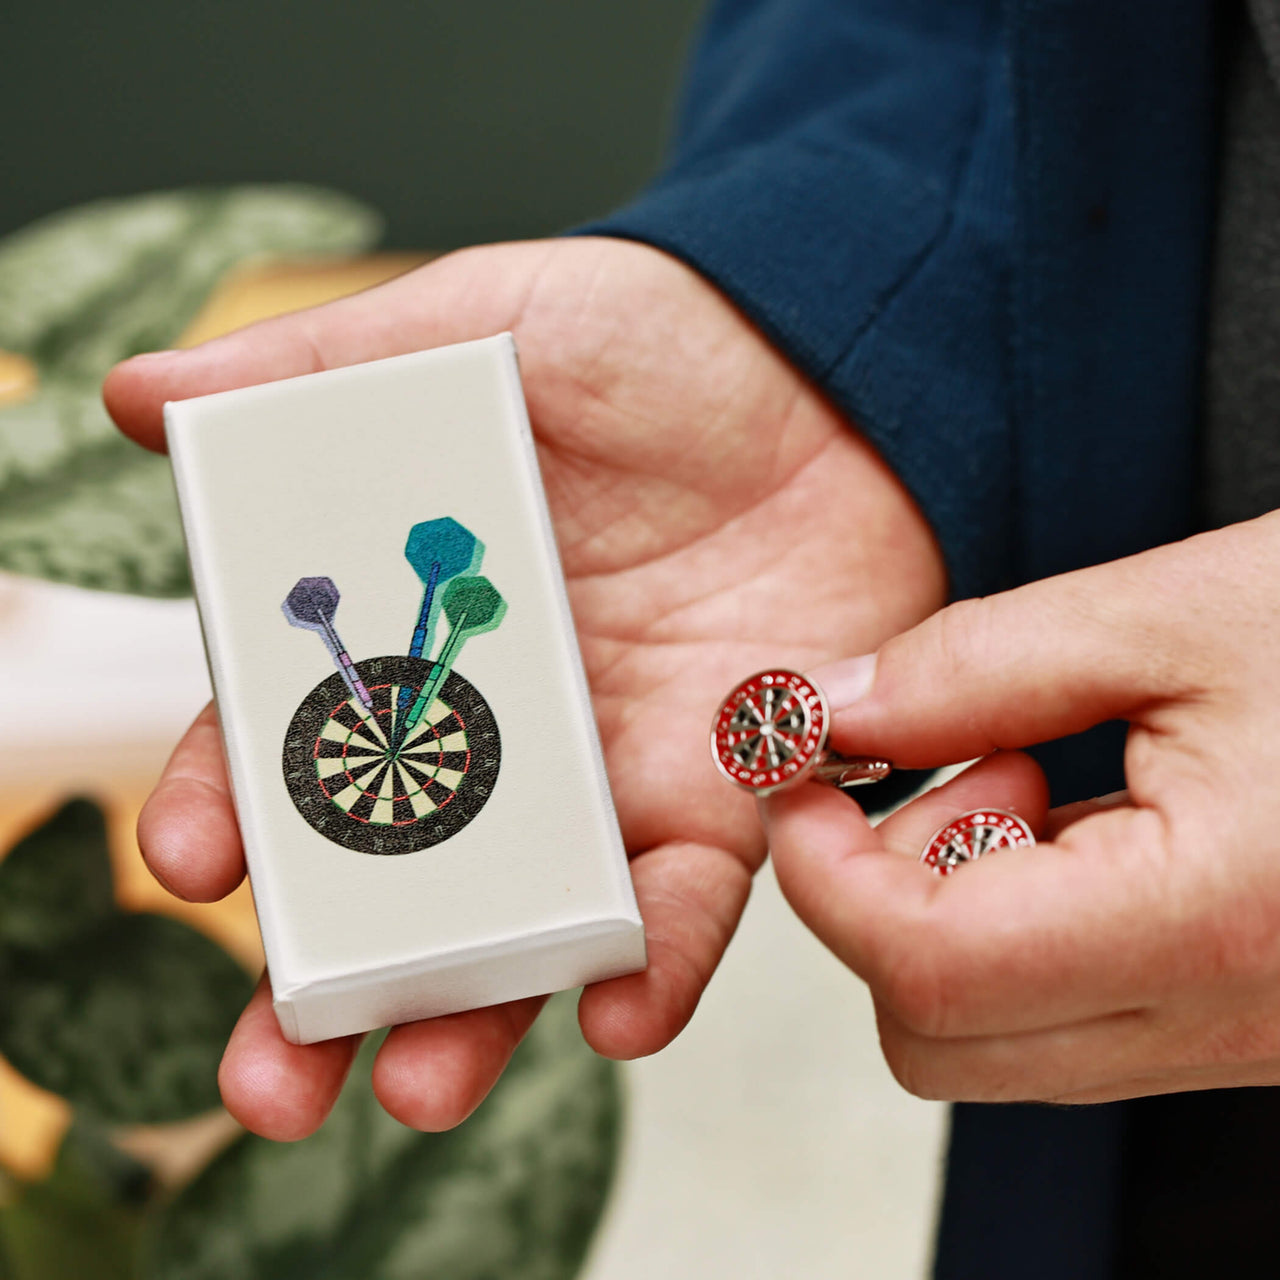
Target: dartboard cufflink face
{"type": "Point", "coordinates": [770, 732]}
{"type": "Point", "coordinates": [973, 835]}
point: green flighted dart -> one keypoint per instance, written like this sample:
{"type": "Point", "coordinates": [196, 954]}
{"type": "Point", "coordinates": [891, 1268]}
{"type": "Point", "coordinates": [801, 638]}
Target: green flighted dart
{"type": "Point", "coordinates": [472, 605]}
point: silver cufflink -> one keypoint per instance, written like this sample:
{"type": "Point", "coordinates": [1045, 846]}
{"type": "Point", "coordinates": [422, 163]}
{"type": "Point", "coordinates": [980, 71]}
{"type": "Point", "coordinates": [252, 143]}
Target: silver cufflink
{"type": "Point", "coordinates": [770, 733]}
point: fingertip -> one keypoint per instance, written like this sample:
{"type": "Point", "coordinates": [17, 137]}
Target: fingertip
{"type": "Point", "coordinates": [637, 1015]}
{"type": "Point", "coordinates": [428, 1102]}
{"type": "Point", "coordinates": [187, 830]}
{"type": "Point", "coordinates": [432, 1075]}
{"type": "Point", "coordinates": [136, 390]}
{"type": "Point", "coordinates": [691, 897]}
{"type": "Point", "coordinates": [275, 1089]}
{"type": "Point", "coordinates": [189, 838]}
{"type": "Point", "coordinates": [811, 830]}
{"type": "Point", "coordinates": [827, 809]}
{"type": "Point", "coordinates": [133, 393]}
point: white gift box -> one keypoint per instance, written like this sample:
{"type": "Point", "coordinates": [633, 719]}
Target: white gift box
{"type": "Point", "coordinates": [412, 751]}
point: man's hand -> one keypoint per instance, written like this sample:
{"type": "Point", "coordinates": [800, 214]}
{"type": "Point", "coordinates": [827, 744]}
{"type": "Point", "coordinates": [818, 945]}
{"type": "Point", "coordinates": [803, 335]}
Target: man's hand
{"type": "Point", "coordinates": [714, 515]}
{"type": "Point", "coordinates": [1139, 951]}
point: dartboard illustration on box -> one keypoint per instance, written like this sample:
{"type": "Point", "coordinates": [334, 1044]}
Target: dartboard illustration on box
{"type": "Point", "coordinates": [397, 753]}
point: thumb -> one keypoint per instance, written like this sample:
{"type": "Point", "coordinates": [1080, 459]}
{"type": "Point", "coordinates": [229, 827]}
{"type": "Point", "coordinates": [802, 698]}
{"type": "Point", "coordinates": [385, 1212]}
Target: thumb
{"type": "Point", "coordinates": [1011, 670]}
{"type": "Point", "coordinates": [470, 294]}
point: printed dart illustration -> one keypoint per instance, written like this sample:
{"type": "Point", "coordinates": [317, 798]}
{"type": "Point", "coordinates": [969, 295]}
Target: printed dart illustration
{"type": "Point", "coordinates": [472, 605]}
{"type": "Point", "coordinates": [438, 550]}
{"type": "Point", "coordinates": [311, 605]}
{"type": "Point", "coordinates": [396, 753]}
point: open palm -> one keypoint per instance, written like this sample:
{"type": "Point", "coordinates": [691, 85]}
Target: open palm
{"type": "Point", "coordinates": [714, 515]}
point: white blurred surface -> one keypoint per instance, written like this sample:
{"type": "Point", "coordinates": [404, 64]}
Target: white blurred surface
{"type": "Point", "coordinates": [769, 1142]}
{"type": "Point", "coordinates": [94, 684]}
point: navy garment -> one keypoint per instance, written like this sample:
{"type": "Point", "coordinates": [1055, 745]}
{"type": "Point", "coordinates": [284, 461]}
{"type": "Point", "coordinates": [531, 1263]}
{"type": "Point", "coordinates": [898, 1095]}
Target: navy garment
{"type": "Point", "coordinates": [980, 226]}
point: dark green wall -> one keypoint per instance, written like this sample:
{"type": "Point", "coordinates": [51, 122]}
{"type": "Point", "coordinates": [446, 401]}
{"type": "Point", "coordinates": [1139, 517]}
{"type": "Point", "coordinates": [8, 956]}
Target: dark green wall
{"type": "Point", "coordinates": [461, 120]}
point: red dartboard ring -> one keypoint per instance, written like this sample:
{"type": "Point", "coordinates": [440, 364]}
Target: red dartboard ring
{"type": "Point", "coordinates": [973, 835]}
{"type": "Point", "coordinates": [770, 731]}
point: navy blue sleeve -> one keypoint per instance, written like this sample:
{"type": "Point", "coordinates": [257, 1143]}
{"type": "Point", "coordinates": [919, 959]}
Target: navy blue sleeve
{"type": "Point", "coordinates": [842, 171]}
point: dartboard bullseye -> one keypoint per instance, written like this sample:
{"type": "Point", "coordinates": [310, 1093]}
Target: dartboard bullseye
{"type": "Point", "coordinates": [973, 835]}
{"type": "Point", "coordinates": [354, 786]}
{"type": "Point", "coordinates": [770, 731]}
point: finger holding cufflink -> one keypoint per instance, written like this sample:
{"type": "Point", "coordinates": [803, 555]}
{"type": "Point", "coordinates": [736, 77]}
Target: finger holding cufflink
{"type": "Point", "coordinates": [770, 734]}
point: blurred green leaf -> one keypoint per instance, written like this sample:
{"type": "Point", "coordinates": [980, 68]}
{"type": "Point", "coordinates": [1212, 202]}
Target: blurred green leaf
{"type": "Point", "coordinates": [109, 522]}
{"type": "Point", "coordinates": [52, 1233]}
{"type": "Point", "coordinates": [516, 1192]}
{"type": "Point", "coordinates": [7, 1195]}
{"type": "Point", "coordinates": [88, 285]}
{"type": "Point", "coordinates": [127, 1021]}
{"type": "Point", "coordinates": [89, 1157]}
{"type": "Point", "coordinates": [56, 882]}
{"type": "Point", "coordinates": [93, 285]}
{"type": "Point", "coordinates": [73, 1225]}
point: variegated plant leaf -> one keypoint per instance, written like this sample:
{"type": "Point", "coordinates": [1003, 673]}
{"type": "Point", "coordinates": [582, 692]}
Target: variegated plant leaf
{"type": "Point", "coordinates": [86, 288]}
{"type": "Point", "coordinates": [55, 883]}
{"type": "Point", "coordinates": [517, 1191]}
{"type": "Point", "coordinates": [83, 1220]}
{"type": "Point", "coordinates": [127, 1021]}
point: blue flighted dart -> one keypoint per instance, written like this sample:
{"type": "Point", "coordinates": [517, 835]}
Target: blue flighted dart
{"type": "Point", "coordinates": [438, 550]}
{"type": "Point", "coordinates": [311, 605]}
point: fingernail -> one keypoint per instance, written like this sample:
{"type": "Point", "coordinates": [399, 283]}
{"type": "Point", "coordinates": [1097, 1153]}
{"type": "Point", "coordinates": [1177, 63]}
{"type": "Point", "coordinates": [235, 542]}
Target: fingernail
{"type": "Point", "coordinates": [1112, 800]}
{"type": "Point", "coordinates": [846, 681]}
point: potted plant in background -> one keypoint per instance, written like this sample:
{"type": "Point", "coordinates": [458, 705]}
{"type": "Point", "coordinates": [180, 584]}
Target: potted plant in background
{"type": "Point", "coordinates": [113, 1018]}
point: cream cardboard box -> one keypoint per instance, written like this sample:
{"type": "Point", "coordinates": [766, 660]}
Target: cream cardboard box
{"type": "Point", "coordinates": [414, 760]}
